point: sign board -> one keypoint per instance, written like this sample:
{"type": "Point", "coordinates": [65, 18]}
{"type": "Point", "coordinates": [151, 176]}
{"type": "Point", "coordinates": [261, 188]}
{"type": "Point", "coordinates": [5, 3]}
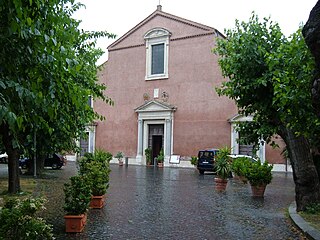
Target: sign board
{"type": "Point", "coordinates": [175, 159]}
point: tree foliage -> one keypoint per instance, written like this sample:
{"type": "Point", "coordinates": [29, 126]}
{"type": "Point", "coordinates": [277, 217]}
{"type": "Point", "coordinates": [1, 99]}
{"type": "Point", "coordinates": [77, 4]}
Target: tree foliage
{"type": "Point", "coordinates": [269, 78]}
{"type": "Point", "coordinates": [47, 73]}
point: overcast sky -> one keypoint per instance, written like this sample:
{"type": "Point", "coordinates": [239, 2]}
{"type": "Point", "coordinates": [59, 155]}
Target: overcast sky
{"type": "Point", "coordinates": [119, 16]}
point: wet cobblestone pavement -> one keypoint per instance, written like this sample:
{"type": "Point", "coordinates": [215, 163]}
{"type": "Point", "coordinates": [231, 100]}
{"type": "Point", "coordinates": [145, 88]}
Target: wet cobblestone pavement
{"type": "Point", "coordinates": [174, 203]}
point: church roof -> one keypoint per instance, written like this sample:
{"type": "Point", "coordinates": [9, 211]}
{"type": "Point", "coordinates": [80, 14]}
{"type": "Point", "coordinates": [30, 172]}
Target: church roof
{"type": "Point", "coordinates": [205, 29]}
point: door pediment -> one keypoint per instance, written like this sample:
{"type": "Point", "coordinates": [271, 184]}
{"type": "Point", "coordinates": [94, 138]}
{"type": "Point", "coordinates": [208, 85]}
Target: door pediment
{"type": "Point", "coordinates": [155, 106]}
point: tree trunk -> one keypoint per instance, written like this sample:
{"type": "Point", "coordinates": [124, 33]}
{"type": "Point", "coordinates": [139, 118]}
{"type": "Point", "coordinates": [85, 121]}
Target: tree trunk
{"type": "Point", "coordinates": [305, 176]}
{"type": "Point", "coordinates": [13, 160]}
{"type": "Point", "coordinates": [13, 171]}
{"type": "Point", "coordinates": [311, 33]}
{"type": "Point", "coordinates": [39, 165]}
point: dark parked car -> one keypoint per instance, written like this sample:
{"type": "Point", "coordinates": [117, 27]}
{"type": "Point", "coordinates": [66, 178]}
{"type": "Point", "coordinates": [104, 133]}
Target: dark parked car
{"type": "Point", "coordinates": [24, 162]}
{"type": "Point", "coordinates": [206, 160]}
{"type": "Point", "coordinates": [55, 161]}
{"type": "Point", "coordinates": [3, 158]}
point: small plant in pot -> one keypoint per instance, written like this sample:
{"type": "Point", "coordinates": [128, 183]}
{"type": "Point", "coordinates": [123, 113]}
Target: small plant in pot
{"type": "Point", "coordinates": [98, 176]}
{"type": "Point", "coordinates": [160, 158]}
{"type": "Point", "coordinates": [97, 169]}
{"type": "Point", "coordinates": [259, 176]}
{"type": "Point", "coordinates": [147, 153]}
{"type": "Point", "coordinates": [77, 200]}
{"type": "Point", "coordinates": [223, 168]}
{"type": "Point", "coordinates": [119, 156]}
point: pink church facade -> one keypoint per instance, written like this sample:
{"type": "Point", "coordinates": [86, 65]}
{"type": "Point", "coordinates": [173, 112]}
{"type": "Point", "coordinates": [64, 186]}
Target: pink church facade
{"type": "Point", "coordinates": [162, 76]}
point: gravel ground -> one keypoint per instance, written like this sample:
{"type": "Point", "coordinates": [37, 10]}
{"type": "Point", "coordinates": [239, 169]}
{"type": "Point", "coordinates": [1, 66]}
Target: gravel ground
{"type": "Point", "coordinates": [174, 203]}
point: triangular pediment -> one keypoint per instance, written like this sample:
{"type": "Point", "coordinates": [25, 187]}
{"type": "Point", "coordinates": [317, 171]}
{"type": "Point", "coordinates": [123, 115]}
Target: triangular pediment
{"type": "Point", "coordinates": [160, 19]}
{"type": "Point", "coordinates": [155, 106]}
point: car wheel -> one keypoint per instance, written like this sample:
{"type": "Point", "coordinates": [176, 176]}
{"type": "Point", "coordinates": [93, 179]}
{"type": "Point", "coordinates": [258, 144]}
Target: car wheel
{"type": "Point", "coordinates": [54, 166]}
{"type": "Point", "coordinates": [201, 172]}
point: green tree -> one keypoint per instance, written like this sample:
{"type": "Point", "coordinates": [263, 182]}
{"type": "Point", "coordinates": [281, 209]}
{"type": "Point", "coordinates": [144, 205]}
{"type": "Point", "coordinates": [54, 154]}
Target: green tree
{"type": "Point", "coordinates": [269, 77]}
{"type": "Point", "coordinates": [47, 72]}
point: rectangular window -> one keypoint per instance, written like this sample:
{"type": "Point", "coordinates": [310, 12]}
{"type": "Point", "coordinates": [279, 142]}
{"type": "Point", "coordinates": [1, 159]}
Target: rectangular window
{"type": "Point", "coordinates": [244, 147]}
{"type": "Point", "coordinates": [90, 101]}
{"type": "Point", "coordinates": [157, 59]}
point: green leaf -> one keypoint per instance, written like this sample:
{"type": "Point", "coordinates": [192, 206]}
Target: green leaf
{"type": "Point", "coordinates": [19, 122]}
{"type": "Point", "coordinates": [29, 21]}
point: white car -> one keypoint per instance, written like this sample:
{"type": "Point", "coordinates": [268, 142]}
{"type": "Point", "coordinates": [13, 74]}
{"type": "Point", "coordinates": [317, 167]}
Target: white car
{"type": "Point", "coordinates": [3, 158]}
{"type": "Point", "coordinates": [246, 156]}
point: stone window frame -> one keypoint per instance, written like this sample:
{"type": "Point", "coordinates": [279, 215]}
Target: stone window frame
{"type": "Point", "coordinates": [154, 37]}
{"type": "Point", "coordinates": [261, 151]}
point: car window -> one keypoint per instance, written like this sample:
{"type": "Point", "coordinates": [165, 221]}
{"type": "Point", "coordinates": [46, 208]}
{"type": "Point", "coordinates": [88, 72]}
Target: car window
{"type": "Point", "coordinates": [206, 154]}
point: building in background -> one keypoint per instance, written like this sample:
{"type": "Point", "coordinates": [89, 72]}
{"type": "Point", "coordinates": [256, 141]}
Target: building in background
{"type": "Point", "coordinates": [162, 76]}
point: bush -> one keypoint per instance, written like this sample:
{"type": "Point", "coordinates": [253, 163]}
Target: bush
{"type": "Point", "coordinates": [259, 174]}
{"type": "Point", "coordinates": [98, 175]}
{"type": "Point", "coordinates": [83, 162]}
{"type": "Point", "coordinates": [147, 152]}
{"type": "Point", "coordinates": [240, 165]}
{"type": "Point", "coordinates": [194, 160]}
{"type": "Point", "coordinates": [119, 156]}
{"type": "Point", "coordinates": [96, 168]}
{"type": "Point", "coordinates": [18, 220]}
{"type": "Point", "coordinates": [99, 155]}
{"type": "Point", "coordinates": [77, 195]}
{"type": "Point", "coordinates": [313, 208]}
{"type": "Point", "coordinates": [102, 156]}
{"type": "Point", "coordinates": [160, 157]}
{"type": "Point", "coordinates": [222, 163]}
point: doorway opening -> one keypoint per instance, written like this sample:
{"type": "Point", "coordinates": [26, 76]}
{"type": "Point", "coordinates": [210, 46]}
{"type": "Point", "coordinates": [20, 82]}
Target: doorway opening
{"type": "Point", "coordinates": [156, 133]}
{"type": "Point", "coordinates": [156, 147]}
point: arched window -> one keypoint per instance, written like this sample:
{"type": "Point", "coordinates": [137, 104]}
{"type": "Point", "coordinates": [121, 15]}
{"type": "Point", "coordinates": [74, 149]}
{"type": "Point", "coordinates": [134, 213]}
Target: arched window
{"type": "Point", "coordinates": [157, 53]}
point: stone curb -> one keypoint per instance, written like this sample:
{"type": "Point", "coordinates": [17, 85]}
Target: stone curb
{"type": "Point", "coordinates": [305, 227]}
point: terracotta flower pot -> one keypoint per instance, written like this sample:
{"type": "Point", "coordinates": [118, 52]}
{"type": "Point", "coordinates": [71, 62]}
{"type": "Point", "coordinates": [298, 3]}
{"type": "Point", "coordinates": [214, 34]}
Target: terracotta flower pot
{"type": "Point", "coordinates": [97, 201]}
{"type": "Point", "coordinates": [75, 223]}
{"type": "Point", "coordinates": [120, 163]}
{"type": "Point", "coordinates": [258, 191]}
{"type": "Point", "coordinates": [160, 164]}
{"type": "Point", "coordinates": [221, 184]}
{"type": "Point", "coordinates": [235, 176]}
{"type": "Point", "coordinates": [243, 179]}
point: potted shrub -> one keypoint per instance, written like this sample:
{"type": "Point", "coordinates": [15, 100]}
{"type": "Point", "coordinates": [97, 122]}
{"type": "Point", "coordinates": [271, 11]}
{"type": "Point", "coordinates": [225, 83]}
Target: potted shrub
{"type": "Point", "coordinates": [259, 176]}
{"type": "Point", "coordinates": [98, 176]}
{"type": "Point", "coordinates": [119, 156]}
{"type": "Point", "coordinates": [223, 168]}
{"type": "Point", "coordinates": [96, 168]}
{"type": "Point", "coordinates": [77, 200]}
{"type": "Point", "coordinates": [160, 158]}
{"type": "Point", "coordinates": [147, 152]}
{"type": "Point", "coordinates": [239, 167]}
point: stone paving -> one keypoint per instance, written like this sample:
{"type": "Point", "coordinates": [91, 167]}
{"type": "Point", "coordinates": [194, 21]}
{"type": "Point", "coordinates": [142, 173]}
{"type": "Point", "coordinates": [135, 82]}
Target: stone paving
{"type": "Point", "coordinates": [174, 203]}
